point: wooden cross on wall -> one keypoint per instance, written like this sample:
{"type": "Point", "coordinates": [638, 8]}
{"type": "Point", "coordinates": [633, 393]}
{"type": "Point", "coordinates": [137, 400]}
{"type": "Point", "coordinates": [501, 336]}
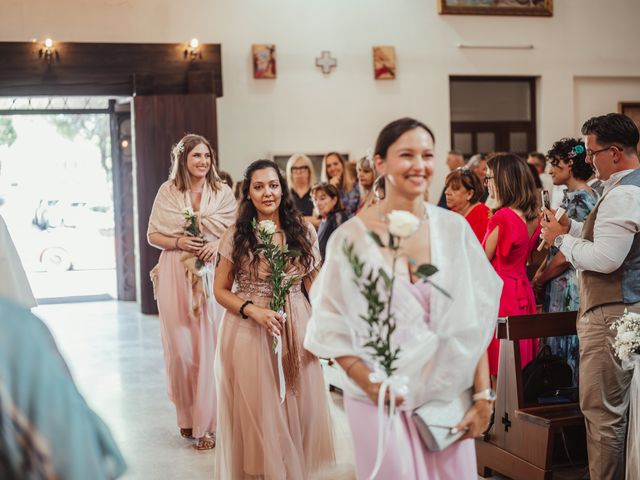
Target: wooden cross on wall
{"type": "Point", "coordinates": [326, 62]}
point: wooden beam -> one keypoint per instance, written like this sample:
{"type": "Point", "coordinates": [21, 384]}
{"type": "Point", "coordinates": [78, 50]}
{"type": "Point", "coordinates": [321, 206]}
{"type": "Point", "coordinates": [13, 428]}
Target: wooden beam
{"type": "Point", "coordinates": [109, 69]}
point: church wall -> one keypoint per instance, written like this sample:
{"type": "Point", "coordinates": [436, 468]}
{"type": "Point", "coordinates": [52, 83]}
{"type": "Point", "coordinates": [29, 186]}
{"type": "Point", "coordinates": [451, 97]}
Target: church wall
{"type": "Point", "coordinates": [304, 110]}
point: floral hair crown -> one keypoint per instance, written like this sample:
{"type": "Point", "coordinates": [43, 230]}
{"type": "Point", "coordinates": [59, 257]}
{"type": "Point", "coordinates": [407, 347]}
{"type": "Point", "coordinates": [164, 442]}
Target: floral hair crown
{"type": "Point", "coordinates": [179, 148]}
{"type": "Point", "coordinates": [576, 150]}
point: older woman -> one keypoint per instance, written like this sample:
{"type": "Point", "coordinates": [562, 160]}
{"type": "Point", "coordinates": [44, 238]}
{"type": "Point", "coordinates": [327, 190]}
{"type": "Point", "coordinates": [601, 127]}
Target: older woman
{"type": "Point", "coordinates": [463, 192]}
{"type": "Point", "coordinates": [442, 343]}
{"type": "Point", "coordinates": [366, 177]}
{"type": "Point", "coordinates": [335, 171]}
{"type": "Point", "coordinates": [301, 177]}
{"type": "Point", "coordinates": [327, 200]}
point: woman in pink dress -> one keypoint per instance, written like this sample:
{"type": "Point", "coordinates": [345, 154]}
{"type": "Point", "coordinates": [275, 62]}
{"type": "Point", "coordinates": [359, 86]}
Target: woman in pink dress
{"type": "Point", "coordinates": [261, 434]}
{"type": "Point", "coordinates": [463, 191]}
{"type": "Point", "coordinates": [189, 314]}
{"type": "Point", "coordinates": [512, 234]}
{"type": "Point", "coordinates": [442, 340]}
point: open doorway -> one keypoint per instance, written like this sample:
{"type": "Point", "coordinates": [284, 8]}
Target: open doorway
{"type": "Point", "coordinates": [56, 196]}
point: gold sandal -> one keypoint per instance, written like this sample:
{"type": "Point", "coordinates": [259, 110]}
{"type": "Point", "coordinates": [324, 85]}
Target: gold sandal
{"type": "Point", "coordinates": [186, 433]}
{"type": "Point", "coordinates": [207, 442]}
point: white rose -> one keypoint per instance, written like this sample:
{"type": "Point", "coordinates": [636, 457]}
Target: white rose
{"type": "Point", "coordinates": [402, 224]}
{"type": "Point", "coordinates": [267, 226]}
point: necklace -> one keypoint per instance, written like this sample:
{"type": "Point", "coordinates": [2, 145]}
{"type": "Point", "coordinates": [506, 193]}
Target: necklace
{"type": "Point", "coordinates": [196, 190]}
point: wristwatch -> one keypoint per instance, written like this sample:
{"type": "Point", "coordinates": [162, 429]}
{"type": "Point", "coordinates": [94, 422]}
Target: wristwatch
{"type": "Point", "coordinates": [486, 394]}
{"type": "Point", "coordinates": [558, 241]}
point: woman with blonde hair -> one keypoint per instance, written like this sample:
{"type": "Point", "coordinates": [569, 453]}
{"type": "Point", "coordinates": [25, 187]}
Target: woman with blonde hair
{"type": "Point", "coordinates": [335, 171]}
{"type": "Point", "coordinates": [301, 177]}
{"type": "Point", "coordinates": [366, 177]}
{"type": "Point", "coordinates": [183, 281]}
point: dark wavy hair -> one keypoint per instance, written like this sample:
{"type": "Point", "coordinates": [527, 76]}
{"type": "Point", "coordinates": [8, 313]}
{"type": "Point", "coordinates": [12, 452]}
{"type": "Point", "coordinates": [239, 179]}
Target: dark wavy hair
{"type": "Point", "coordinates": [291, 222]}
{"type": "Point", "coordinates": [514, 183]}
{"type": "Point", "coordinates": [563, 151]}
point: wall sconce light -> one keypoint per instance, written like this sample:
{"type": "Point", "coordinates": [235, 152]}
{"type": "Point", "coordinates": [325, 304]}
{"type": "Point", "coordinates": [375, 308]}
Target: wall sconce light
{"type": "Point", "coordinates": [47, 51]}
{"type": "Point", "coordinates": [192, 51]}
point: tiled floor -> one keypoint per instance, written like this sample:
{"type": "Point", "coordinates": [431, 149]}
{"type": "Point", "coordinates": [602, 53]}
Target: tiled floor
{"type": "Point", "coordinates": [115, 355]}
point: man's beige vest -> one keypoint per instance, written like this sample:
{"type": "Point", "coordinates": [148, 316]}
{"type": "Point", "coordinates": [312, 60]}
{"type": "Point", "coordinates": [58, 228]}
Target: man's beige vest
{"type": "Point", "coordinates": [621, 286]}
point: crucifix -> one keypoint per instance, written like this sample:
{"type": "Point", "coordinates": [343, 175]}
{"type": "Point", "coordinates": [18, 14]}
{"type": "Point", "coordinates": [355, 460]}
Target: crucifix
{"type": "Point", "coordinates": [506, 422]}
{"type": "Point", "coordinates": [326, 62]}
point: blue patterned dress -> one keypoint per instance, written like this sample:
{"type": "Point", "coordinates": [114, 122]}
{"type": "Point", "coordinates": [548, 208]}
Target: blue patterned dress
{"type": "Point", "coordinates": [351, 199]}
{"type": "Point", "coordinates": [561, 293]}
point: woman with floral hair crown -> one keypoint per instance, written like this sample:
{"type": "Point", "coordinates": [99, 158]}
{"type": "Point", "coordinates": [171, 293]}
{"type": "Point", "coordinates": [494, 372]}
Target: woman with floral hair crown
{"type": "Point", "coordinates": [273, 410]}
{"type": "Point", "coordinates": [192, 210]}
{"type": "Point", "coordinates": [442, 339]}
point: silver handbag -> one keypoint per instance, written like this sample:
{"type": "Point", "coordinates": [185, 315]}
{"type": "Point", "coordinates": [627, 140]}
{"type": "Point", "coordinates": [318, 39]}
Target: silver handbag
{"type": "Point", "coordinates": [435, 419]}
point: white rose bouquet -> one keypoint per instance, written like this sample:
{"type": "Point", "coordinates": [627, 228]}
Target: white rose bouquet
{"type": "Point", "coordinates": [276, 256]}
{"type": "Point", "coordinates": [192, 228]}
{"type": "Point", "coordinates": [627, 340]}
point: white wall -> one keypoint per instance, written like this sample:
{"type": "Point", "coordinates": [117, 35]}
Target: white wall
{"type": "Point", "coordinates": [600, 95]}
{"type": "Point", "coordinates": [307, 111]}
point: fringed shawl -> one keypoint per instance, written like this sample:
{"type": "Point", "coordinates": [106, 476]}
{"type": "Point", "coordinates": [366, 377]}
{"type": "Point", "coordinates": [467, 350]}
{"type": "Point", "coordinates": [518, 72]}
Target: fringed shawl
{"type": "Point", "coordinates": [217, 212]}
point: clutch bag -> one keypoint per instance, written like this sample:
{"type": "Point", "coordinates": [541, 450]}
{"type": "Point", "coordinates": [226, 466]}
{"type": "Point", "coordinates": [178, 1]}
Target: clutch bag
{"type": "Point", "coordinates": [435, 419]}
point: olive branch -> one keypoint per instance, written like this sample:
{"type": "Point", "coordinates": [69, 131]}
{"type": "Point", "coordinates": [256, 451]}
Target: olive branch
{"type": "Point", "coordinates": [380, 319]}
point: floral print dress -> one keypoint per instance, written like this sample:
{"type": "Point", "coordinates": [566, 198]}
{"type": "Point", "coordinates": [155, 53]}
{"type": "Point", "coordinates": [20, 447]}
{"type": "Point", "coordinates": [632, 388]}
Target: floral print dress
{"type": "Point", "coordinates": [561, 293]}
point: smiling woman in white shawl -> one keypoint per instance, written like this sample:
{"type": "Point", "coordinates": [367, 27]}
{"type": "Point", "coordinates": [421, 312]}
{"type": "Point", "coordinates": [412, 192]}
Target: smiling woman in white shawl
{"type": "Point", "coordinates": [190, 213]}
{"type": "Point", "coordinates": [442, 340]}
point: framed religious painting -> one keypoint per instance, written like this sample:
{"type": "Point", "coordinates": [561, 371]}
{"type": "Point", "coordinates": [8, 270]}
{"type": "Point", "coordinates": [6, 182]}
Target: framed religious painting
{"type": "Point", "coordinates": [631, 110]}
{"type": "Point", "coordinates": [537, 8]}
{"type": "Point", "coordinates": [264, 60]}
{"type": "Point", "coordinates": [384, 63]}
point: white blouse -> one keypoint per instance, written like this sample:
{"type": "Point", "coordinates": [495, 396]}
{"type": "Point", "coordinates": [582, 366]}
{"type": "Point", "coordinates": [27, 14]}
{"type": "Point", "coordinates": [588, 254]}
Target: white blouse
{"type": "Point", "coordinates": [438, 357]}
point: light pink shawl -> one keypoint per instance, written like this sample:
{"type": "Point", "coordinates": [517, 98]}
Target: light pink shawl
{"type": "Point", "coordinates": [217, 212]}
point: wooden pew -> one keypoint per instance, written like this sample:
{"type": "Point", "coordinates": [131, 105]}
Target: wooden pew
{"type": "Point", "coordinates": [525, 440]}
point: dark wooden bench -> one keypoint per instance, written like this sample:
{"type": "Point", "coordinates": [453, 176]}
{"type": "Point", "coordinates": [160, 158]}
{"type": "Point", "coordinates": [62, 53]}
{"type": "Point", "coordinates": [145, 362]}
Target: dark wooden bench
{"type": "Point", "coordinates": [527, 440]}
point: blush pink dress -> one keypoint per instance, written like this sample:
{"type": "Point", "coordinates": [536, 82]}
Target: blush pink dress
{"type": "Point", "coordinates": [510, 263]}
{"type": "Point", "coordinates": [258, 437]}
{"type": "Point", "coordinates": [406, 456]}
{"type": "Point", "coordinates": [189, 346]}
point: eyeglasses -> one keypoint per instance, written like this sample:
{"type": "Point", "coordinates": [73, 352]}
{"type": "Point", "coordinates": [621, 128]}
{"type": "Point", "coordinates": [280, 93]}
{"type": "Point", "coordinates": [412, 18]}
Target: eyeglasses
{"type": "Point", "coordinates": [592, 153]}
{"type": "Point", "coordinates": [486, 180]}
{"type": "Point", "coordinates": [298, 169]}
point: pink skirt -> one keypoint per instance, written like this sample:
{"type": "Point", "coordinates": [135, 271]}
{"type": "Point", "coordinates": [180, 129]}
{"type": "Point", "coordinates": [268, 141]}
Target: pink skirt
{"type": "Point", "coordinates": [189, 347]}
{"type": "Point", "coordinates": [406, 456]}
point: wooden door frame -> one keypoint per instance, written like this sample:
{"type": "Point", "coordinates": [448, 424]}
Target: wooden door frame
{"type": "Point", "coordinates": [112, 70]}
{"type": "Point", "coordinates": [499, 126]}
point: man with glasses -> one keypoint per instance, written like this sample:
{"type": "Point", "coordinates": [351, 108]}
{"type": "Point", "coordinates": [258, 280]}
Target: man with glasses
{"type": "Point", "coordinates": [605, 250]}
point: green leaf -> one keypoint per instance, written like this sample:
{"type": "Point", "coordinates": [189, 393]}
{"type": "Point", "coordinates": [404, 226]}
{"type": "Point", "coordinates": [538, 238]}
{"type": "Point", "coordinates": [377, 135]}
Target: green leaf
{"type": "Point", "coordinates": [377, 239]}
{"type": "Point", "coordinates": [388, 282]}
{"type": "Point", "coordinates": [425, 270]}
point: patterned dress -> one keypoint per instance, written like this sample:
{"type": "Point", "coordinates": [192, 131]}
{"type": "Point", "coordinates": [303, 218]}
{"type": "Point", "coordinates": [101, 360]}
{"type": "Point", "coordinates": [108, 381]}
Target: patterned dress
{"type": "Point", "coordinates": [561, 293]}
{"type": "Point", "coordinates": [351, 199]}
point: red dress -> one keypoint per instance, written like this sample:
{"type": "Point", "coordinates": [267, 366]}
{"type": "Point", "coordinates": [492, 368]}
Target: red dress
{"type": "Point", "coordinates": [510, 261]}
{"type": "Point", "coordinates": [478, 218]}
